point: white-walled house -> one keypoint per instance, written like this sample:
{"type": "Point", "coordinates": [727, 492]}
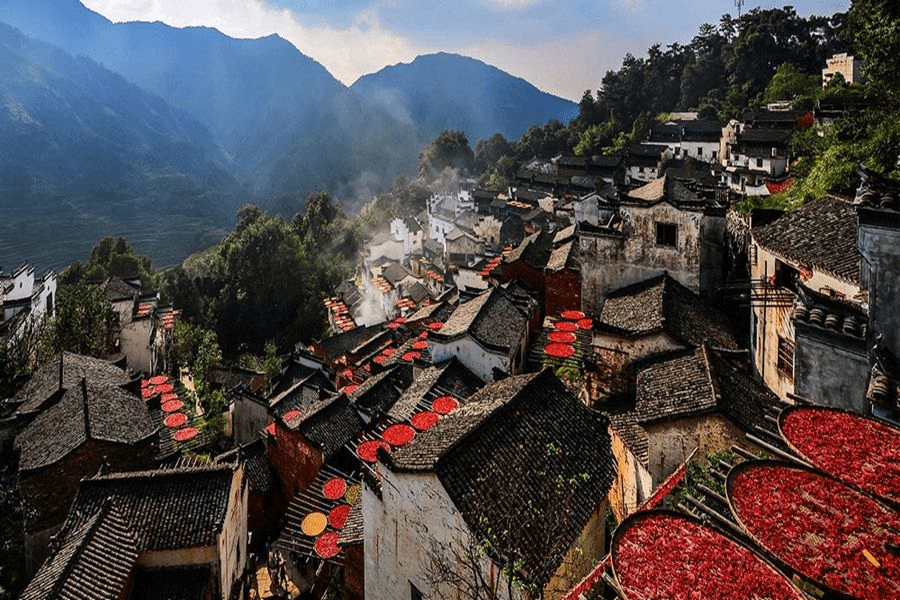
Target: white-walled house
{"type": "Point", "coordinates": [409, 232]}
{"type": "Point", "coordinates": [488, 334]}
{"type": "Point", "coordinates": [24, 301]}
{"type": "Point", "coordinates": [520, 459]}
{"type": "Point", "coordinates": [805, 281]}
{"type": "Point", "coordinates": [154, 532]}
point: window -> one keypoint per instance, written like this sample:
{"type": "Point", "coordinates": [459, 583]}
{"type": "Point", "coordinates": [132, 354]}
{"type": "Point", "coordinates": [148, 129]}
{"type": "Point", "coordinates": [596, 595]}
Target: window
{"type": "Point", "coordinates": [786, 276]}
{"type": "Point", "coordinates": [699, 151]}
{"type": "Point", "coordinates": [667, 234]}
{"type": "Point", "coordinates": [785, 364]}
{"type": "Point", "coordinates": [759, 163]}
{"type": "Point", "coordinates": [414, 593]}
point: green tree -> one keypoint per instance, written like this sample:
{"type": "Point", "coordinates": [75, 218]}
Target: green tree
{"type": "Point", "coordinates": [875, 28]}
{"type": "Point", "coordinates": [489, 151]}
{"type": "Point", "coordinates": [789, 83]}
{"type": "Point", "coordinates": [84, 322]}
{"type": "Point", "coordinates": [450, 149]}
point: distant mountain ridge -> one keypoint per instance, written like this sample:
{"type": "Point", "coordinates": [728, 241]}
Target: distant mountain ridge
{"type": "Point", "coordinates": [81, 145]}
{"type": "Point", "coordinates": [448, 91]}
{"type": "Point", "coordinates": [240, 121]}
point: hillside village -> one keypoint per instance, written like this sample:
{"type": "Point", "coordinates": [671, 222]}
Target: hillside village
{"type": "Point", "coordinates": [507, 377]}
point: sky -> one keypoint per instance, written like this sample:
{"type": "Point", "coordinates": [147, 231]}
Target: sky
{"type": "Point", "coordinates": [562, 46]}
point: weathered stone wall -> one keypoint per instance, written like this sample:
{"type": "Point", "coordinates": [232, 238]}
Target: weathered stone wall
{"type": "Point", "coordinates": [672, 442]}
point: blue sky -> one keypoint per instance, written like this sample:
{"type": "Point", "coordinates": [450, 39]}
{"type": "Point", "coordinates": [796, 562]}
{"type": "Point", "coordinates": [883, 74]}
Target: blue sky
{"type": "Point", "coordinates": [562, 46]}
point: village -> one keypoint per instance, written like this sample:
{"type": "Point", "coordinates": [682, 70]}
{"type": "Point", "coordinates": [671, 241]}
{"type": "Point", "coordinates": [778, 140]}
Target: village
{"type": "Point", "coordinates": [512, 386]}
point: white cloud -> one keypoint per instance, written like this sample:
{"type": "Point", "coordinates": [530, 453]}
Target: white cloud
{"type": "Point", "coordinates": [565, 66]}
{"type": "Point", "coordinates": [362, 47]}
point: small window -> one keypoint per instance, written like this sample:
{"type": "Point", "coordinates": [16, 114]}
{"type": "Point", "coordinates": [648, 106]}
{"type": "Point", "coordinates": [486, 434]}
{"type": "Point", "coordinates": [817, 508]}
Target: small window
{"type": "Point", "coordinates": [785, 364]}
{"type": "Point", "coordinates": [759, 163]}
{"type": "Point", "coordinates": [666, 234]}
{"type": "Point", "coordinates": [786, 276]}
{"type": "Point", "coordinates": [699, 151]}
{"type": "Point", "coordinates": [414, 593]}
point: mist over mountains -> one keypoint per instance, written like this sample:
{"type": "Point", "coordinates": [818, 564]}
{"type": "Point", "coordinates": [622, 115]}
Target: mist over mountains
{"type": "Point", "coordinates": [154, 129]}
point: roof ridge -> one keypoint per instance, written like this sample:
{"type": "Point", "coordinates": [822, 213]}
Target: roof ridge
{"type": "Point", "coordinates": [492, 412]}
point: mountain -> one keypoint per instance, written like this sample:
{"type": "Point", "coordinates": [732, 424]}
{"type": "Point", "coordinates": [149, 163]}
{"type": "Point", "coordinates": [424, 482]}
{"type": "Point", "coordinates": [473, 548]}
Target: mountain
{"type": "Point", "coordinates": [288, 124]}
{"type": "Point", "coordinates": [84, 153]}
{"type": "Point", "coordinates": [447, 91]}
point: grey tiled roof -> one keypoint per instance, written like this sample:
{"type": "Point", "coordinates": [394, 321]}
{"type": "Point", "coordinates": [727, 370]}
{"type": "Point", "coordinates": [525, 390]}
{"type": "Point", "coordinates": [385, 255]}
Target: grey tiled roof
{"type": "Point", "coordinates": [742, 397]}
{"type": "Point", "coordinates": [353, 531]}
{"type": "Point", "coordinates": [675, 387]}
{"type": "Point", "coordinates": [564, 257]}
{"type": "Point", "coordinates": [667, 189]}
{"type": "Point", "coordinates": [45, 382]}
{"type": "Point", "coordinates": [329, 424]}
{"type": "Point", "coordinates": [492, 318]}
{"type": "Point", "coordinates": [450, 377]}
{"type": "Point", "coordinates": [520, 450]}
{"type": "Point", "coordinates": [257, 469]}
{"type": "Point", "coordinates": [113, 415]}
{"type": "Point", "coordinates": [821, 234]}
{"type": "Point", "coordinates": [661, 303]}
{"type": "Point", "coordinates": [378, 394]}
{"type": "Point", "coordinates": [338, 345]}
{"type": "Point", "coordinates": [93, 562]}
{"type": "Point", "coordinates": [168, 509]}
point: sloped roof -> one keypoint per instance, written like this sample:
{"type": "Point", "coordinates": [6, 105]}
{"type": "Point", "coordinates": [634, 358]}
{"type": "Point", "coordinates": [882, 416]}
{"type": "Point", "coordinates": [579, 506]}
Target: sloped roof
{"type": "Point", "coordinates": [87, 411]}
{"type": "Point", "coordinates": [501, 458]}
{"type": "Point", "coordinates": [666, 189]}
{"type": "Point", "coordinates": [674, 388]}
{"type": "Point", "coordinates": [661, 303]}
{"type": "Point", "coordinates": [94, 562]}
{"type": "Point", "coordinates": [378, 394]}
{"type": "Point", "coordinates": [167, 509]}
{"type": "Point", "coordinates": [45, 382]}
{"type": "Point", "coordinates": [116, 290]}
{"type": "Point", "coordinates": [338, 345]}
{"type": "Point", "coordinates": [564, 257]}
{"type": "Point", "coordinates": [491, 318]}
{"type": "Point", "coordinates": [329, 423]}
{"type": "Point", "coordinates": [742, 397]}
{"type": "Point", "coordinates": [451, 377]}
{"type": "Point", "coordinates": [257, 469]}
{"type": "Point", "coordinates": [821, 234]}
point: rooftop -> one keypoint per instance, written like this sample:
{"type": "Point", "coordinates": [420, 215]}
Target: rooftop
{"type": "Point", "coordinates": [661, 303]}
{"type": "Point", "coordinates": [86, 411]}
{"type": "Point", "coordinates": [492, 318]}
{"type": "Point", "coordinates": [167, 509]}
{"type": "Point", "coordinates": [821, 234]}
{"type": "Point", "coordinates": [504, 453]}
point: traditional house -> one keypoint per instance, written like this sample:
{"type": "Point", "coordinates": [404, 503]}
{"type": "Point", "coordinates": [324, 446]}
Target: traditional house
{"type": "Point", "coordinates": [644, 162]}
{"type": "Point", "coordinates": [151, 534]}
{"type": "Point", "coordinates": [263, 486]}
{"type": "Point", "coordinates": [515, 478]}
{"type": "Point", "coordinates": [88, 423]}
{"type": "Point", "coordinates": [805, 268]}
{"type": "Point", "coordinates": [488, 334]}
{"type": "Point", "coordinates": [562, 276]}
{"type": "Point", "coordinates": [24, 301]}
{"type": "Point", "coordinates": [662, 226]}
{"type": "Point", "coordinates": [878, 218]}
{"type": "Point", "coordinates": [755, 156]}
{"type": "Point", "coordinates": [410, 233]}
{"type": "Point", "coordinates": [651, 318]}
{"type": "Point", "coordinates": [600, 169]}
{"type": "Point", "coordinates": [699, 399]}
{"type": "Point", "coordinates": [463, 246]}
{"type": "Point", "coordinates": [384, 245]}
{"type": "Point", "coordinates": [700, 140]}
